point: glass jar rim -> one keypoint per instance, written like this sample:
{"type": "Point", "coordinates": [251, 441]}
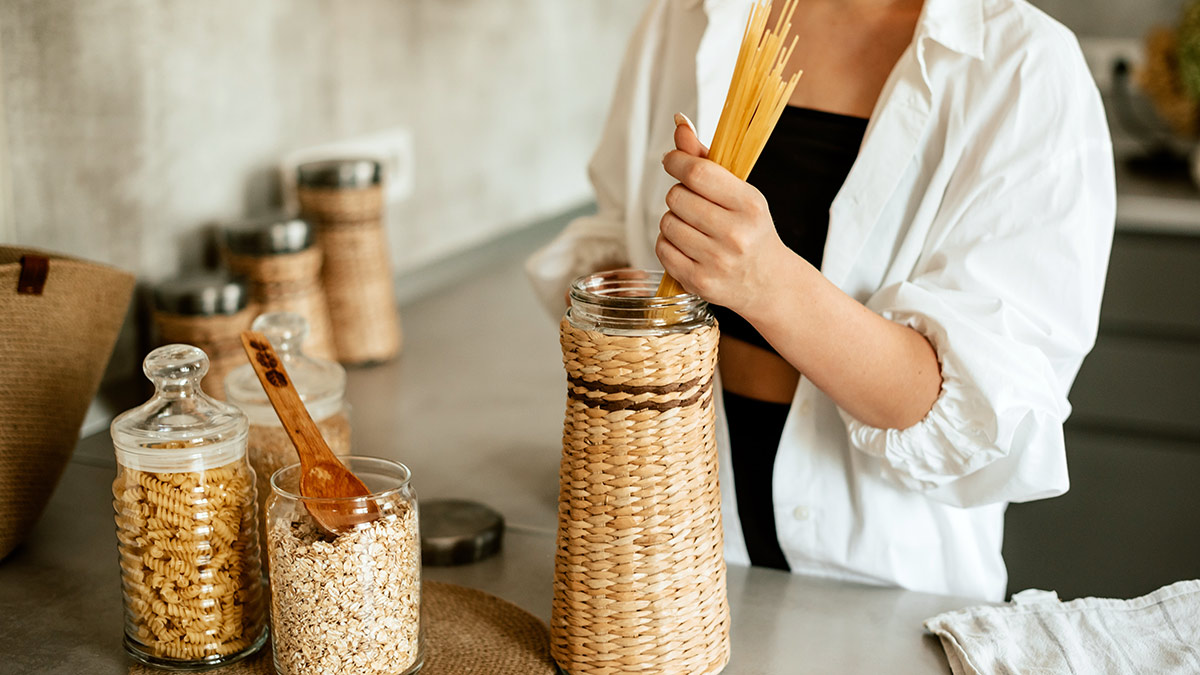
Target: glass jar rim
{"type": "Point", "coordinates": [387, 468]}
{"type": "Point", "coordinates": [598, 287]}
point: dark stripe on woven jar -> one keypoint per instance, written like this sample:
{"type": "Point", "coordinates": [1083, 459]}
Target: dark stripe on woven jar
{"type": "Point", "coordinates": [626, 404]}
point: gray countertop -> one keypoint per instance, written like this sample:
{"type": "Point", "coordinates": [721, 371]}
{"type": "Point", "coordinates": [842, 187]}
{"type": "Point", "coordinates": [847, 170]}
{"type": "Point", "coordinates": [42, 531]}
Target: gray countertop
{"type": "Point", "coordinates": [1152, 204]}
{"type": "Point", "coordinates": [474, 407]}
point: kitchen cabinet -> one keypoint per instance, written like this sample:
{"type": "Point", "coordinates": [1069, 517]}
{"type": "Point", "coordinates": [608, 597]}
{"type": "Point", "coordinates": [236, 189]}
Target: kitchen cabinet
{"type": "Point", "coordinates": [1128, 525]}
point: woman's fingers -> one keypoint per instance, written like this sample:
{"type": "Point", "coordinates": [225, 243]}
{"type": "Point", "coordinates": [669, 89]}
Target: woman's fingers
{"type": "Point", "coordinates": [686, 139]}
{"type": "Point", "coordinates": [705, 178]}
{"type": "Point", "coordinates": [690, 241]}
{"type": "Point", "coordinates": [696, 210]}
{"type": "Point", "coordinates": [675, 261]}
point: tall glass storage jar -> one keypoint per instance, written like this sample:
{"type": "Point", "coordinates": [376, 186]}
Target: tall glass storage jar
{"type": "Point", "coordinates": [346, 601]}
{"type": "Point", "coordinates": [186, 520]}
{"type": "Point", "coordinates": [639, 577]}
{"type": "Point", "coordinates": [320, 383]}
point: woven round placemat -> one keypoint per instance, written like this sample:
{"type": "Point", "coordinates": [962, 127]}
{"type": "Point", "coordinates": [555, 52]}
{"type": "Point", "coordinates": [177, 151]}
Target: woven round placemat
{"type": "Point", "coordinates": [469, 632]}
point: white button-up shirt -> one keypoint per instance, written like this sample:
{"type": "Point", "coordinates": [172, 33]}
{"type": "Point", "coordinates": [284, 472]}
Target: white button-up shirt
{"type": "Point", "coordinates": [979, 212]}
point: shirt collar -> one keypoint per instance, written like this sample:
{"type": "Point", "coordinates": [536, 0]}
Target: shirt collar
{"type": "Point", "coordinates": [955, 24]}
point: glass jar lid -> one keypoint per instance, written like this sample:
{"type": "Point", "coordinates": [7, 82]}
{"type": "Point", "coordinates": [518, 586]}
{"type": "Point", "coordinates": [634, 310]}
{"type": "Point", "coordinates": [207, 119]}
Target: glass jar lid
{"type": "Point", "coordinates": [320, 383]}
{"type": "Point", "coordinates": [180, 428]}
{"type": "Point", "coordinates": [272, 234]}
{"type": "Point", "coordinates": [203, 294]}
{"type": "Point", "coordinates": [350, 172]}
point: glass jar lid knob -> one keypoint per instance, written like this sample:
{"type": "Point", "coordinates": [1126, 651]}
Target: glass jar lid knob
{"type": "Point", "coordinates": [285, 330]}
{"type": "Point", "coordinates": [176, 368]}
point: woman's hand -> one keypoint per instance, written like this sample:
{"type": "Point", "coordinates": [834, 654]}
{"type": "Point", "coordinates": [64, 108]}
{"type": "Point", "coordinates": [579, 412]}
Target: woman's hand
{"type": "Point", "coordinates": [718, 238]}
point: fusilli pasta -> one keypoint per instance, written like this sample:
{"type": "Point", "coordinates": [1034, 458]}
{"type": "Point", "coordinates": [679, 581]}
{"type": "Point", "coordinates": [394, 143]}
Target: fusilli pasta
{"type": "Point", "coordinates": [189, 561]}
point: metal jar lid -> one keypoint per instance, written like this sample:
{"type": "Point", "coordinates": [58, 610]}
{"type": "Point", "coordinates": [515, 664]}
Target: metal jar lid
{"type": "Point", "coordinates": [204, 294]}
{"type": "Point", "coordinates": [340, 173]}
{"type": "Point", "coordinates": [458, 532]}
{"type": "Point", "coordinates": [272, 234]}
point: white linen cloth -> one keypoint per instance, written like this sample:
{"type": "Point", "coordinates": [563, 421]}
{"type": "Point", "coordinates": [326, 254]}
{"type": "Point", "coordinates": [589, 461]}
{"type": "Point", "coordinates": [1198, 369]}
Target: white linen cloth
{"type": "Point", "coordinates": [1157, 633]}
{"type": "Point", "coordinates": [980, 212]}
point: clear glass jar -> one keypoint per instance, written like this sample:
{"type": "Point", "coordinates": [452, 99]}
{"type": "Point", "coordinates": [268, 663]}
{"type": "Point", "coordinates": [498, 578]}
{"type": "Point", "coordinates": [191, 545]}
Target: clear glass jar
{"type": "Point", "coordinates": [622, 302]}
{"type": "Point", "coordinates": [321, 385]}
{"type": "Point", "coordinates": [186, 520]}
{"type": "Point", "coordinates": [350, 601]}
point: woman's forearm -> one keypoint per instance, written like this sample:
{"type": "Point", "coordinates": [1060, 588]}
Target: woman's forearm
{"type": "Point", "coordinates": [884, 374]}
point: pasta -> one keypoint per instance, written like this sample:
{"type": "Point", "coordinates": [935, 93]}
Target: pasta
{"type": "Point", "coordinates": [189, 561]}
{"type": "Point", "coordinates": [756, 98]}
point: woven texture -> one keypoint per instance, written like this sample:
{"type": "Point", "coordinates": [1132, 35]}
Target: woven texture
{"type": "Point", "coordinates": [357, 274]}
{"type": "Point", "coordinates": [639, 577]}
{"type": "Point", "coordinates": [53, 350]}
{"type": "Point", "coordinates": [290, 282]}
{"type": "Point", "coordinates": [469, 632]}
{"type": "Point", "coordinates": [218, 336]}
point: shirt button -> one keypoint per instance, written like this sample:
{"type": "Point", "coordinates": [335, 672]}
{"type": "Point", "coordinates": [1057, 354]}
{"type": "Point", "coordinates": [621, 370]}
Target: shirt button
{"type": "Point", "coordinates": [801, 513]}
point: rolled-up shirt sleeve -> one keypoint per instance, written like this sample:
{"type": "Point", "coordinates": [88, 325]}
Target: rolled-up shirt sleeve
{"type": "Point", "coordinates": [1008, 293]}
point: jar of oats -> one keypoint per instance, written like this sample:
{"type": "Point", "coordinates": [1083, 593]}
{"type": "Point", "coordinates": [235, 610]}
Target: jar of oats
{"type": "Point", "coordinates": [321, 385]}
{"type": "Point", "coordinates": [186, 522]}
{"type": "Point", "coordinates": [348, 601]}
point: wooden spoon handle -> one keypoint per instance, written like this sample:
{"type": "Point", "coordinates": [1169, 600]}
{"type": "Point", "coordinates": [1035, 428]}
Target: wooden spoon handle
{"type": "Point", "coordinates": [294, 417]}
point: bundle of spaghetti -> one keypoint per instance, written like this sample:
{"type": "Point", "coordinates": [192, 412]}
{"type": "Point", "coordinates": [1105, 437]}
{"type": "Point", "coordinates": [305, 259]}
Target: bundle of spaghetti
{"type": "Point", "coordinates": [756, 98]}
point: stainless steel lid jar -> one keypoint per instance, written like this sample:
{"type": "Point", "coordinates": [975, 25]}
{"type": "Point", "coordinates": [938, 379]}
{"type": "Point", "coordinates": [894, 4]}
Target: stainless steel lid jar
{"type": "Point", "coordinates": [344, 197]}
{"type": "Point", "coordinates": [208, 310]}
{"type": "Point", "coordinates": [278, 256]}
{"type": "Point", "coordinates": [186, 520]}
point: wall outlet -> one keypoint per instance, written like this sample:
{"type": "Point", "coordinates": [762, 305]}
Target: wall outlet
{"type": "Point", "coordinates": [1103, 53]}
{"type": "Point", "coordinates": [393, 148]}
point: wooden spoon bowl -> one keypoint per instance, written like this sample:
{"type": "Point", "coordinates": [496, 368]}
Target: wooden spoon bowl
{"type": "Point", "coordinates": [322, 474]}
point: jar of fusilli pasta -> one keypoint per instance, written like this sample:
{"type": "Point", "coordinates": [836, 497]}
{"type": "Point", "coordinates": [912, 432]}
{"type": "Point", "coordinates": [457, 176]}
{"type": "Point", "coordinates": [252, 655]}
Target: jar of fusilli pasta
{"type": "Point", "coordinates": [186, 522]}
{"type": "Point", "coordinates": [321, 385]}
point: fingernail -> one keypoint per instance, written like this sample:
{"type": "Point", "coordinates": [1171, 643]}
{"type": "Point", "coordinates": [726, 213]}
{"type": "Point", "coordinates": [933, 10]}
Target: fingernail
{"type": "Point", "coordinates": [680, 118]}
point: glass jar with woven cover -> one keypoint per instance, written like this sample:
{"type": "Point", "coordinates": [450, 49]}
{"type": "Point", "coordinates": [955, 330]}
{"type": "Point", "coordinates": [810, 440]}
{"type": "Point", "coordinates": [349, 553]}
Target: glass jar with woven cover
{"type": "Point", "coordinates": [278, 257]}
{"type": "Point", "coordinates": [321, 385]}
{"type": "Point", "coordinates": [186, 522]}
{"type": "Point", "coordinates": [345, 199]}
{"type": "Point", "coordinates": [208, 310]}
{"type": "Point", "coordinates": [639, 576]}
{"type": "Point", "coordinates": [346, 601]}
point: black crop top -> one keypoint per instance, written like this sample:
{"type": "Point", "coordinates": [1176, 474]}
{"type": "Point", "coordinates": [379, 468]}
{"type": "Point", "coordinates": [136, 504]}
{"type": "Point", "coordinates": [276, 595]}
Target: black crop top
{"type": "Point", "coordinates": [800, 171]}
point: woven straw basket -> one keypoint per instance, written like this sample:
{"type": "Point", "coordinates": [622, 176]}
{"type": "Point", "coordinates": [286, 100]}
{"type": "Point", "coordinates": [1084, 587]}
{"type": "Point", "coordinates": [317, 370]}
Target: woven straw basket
{"type": "Point", "coordinates": [59, 319]}
{"type": "Point", "coordinates": [639, 583]}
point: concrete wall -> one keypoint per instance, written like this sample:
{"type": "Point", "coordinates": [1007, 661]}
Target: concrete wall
{"type": "Point", "coordinates": [1111, 18]}
{"type": "Point", "coordinates": [128, 126]}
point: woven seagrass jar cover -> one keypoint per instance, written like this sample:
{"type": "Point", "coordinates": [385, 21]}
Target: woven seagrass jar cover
{"type": "Point", "coordinates": [59, 320]}
{"type": "Point", "coordinates": [345, 200]}
{"type": "Point", "coordinates": [639, 577]}
{"type": "Point", "coordinates": [278, 257]}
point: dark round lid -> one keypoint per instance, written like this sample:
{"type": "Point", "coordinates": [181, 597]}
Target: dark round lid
{"type": "Point", "coordinates": [340, 173]}
{"type": "Point", "coordinates": [271, 234]}
{"type": "Point", "coordinates": [203, 294]}
{"type": "Point", "coordinates": [458, 532]}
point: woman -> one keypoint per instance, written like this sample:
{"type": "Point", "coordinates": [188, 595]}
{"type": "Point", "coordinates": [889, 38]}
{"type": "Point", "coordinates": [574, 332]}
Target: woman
{"type": "Point", "coordinates": [907, 284]}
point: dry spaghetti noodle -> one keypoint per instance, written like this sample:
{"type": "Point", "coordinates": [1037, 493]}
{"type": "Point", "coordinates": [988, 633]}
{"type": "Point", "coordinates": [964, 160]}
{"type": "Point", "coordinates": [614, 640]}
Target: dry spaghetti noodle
{"type": "Point", "coordinates": [757, 96]}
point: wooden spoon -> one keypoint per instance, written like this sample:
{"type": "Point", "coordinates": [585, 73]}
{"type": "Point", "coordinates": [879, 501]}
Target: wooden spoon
{"type": "Point", "coordinates": [322, 475]}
